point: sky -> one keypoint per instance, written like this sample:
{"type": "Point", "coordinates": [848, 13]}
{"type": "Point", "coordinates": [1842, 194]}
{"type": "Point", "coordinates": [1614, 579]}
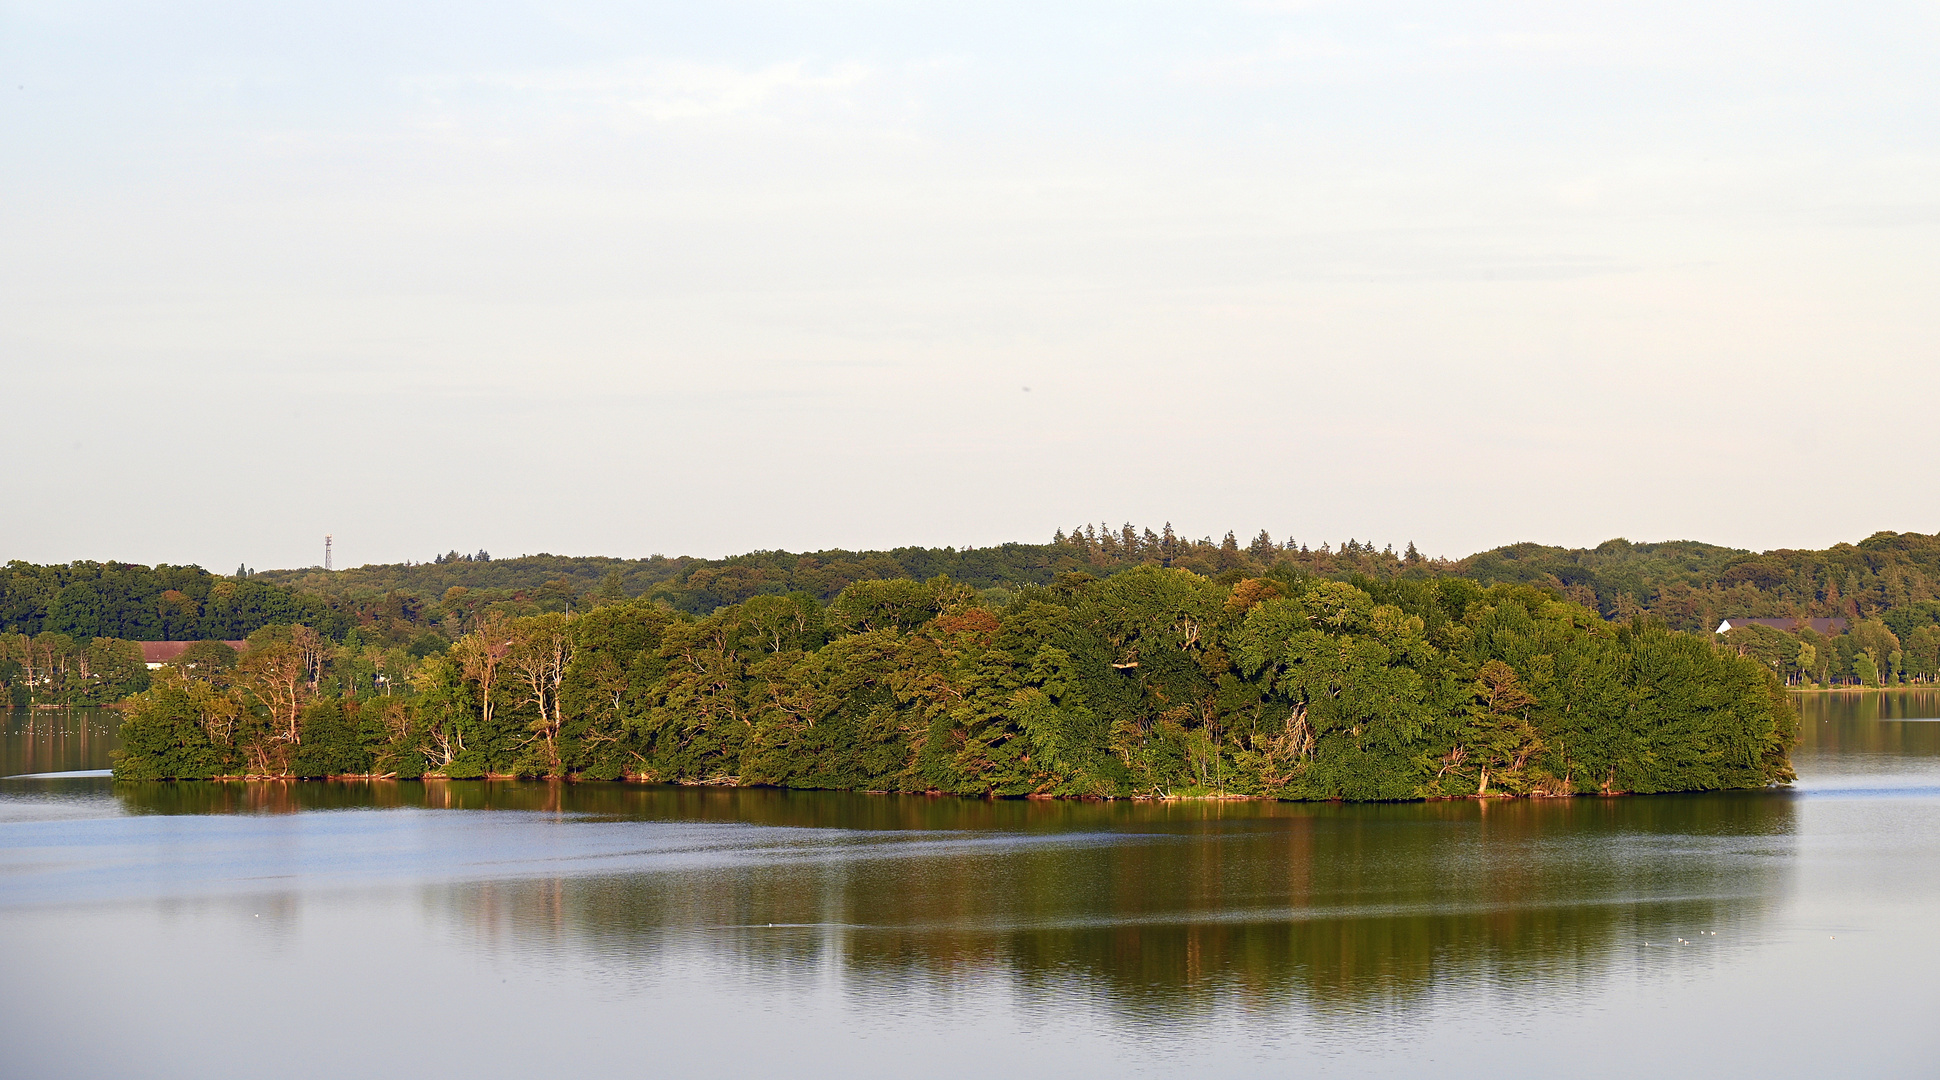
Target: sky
{"type": "Point", "coordinates": [637, 278]}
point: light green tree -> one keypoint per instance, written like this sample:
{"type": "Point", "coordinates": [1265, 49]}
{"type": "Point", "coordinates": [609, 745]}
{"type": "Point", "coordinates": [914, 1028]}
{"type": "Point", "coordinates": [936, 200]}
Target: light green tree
{"type": "Point", "coordinates": [1865, 669]}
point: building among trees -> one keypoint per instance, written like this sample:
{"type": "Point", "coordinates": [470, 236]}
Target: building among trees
{"type": "Point", "coordinates": [158, 654]}
{"type": "Point", "coordinates": [1827, 627]}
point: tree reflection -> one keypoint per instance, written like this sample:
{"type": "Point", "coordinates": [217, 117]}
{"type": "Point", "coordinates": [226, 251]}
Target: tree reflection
{"type": "Point", "coordinates": [1164, 911]}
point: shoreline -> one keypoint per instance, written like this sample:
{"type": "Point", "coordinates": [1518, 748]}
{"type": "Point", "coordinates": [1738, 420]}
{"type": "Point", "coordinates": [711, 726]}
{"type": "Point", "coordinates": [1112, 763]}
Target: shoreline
{"type": "Point", "coordinates": [1859, 689]}
{"type": "Point", "coordinates": [642, 781]}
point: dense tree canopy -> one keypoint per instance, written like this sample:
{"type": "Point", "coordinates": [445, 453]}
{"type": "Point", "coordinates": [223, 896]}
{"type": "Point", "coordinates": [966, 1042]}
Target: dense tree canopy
{"type": "Point", "coordinates": [87, 600]}
{"type": "Point", "coordinates": [58, 669]}
{"type": "Point", "coordinates": [1887, 588]}
{"type": "Point", "coordinates": [1688, 585]}
{"type": "Point", "coordinates": [1693, 586]}
{"type": "Point", "coordinates": [1152, 682]}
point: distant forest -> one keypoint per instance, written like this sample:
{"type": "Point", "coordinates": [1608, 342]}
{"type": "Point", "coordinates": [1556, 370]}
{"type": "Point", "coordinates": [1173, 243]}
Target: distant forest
{"type": "Point", "coordinates": [1887, 586]}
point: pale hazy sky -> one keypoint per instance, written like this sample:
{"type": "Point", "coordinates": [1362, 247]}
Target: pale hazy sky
{"type": "Point", "coordinates": [701, 278]}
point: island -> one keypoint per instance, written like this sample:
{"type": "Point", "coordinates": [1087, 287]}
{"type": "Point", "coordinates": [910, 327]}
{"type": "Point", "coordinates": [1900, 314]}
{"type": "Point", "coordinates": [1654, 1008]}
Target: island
{"type": "Point", "coordinates": [1151, 683]}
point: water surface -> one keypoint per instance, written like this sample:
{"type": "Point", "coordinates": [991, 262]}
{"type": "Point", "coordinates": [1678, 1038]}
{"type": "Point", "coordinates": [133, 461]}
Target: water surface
{"type": "Point", "coordinates": [526, 926]}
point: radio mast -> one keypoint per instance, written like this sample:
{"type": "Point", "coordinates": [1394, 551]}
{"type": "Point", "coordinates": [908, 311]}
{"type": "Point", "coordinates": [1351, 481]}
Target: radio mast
{"type": "Point", "coordinates": [326, 551]}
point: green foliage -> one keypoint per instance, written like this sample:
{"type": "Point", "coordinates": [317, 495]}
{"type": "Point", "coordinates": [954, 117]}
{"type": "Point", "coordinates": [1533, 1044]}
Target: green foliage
{"type": "Point", "coordinates": [332, 741]}
{"type": "Point", "coordinates": [1692, 586]}
{"type": "Point", "coordinates": [1865, 670]}
{"type": "Point", "coordinates": [55, 669]}
{"type": "Point", "coordinates": [1906, 619]}
{"type": "Point", "coordinates": [422, 607]}
{"type": "Point", "coordinates": [85, 600]}
{"type": "Point", "coordinates": [1150, 682]}
{"type": "Point", "coordinates": [1922, 653]}
{"type": "Point", "coordinates": [210, 655]}
{"type": "Point", "coordinates": [1110, 662]}
{"type": "Point", "coordinates": [167, 734]}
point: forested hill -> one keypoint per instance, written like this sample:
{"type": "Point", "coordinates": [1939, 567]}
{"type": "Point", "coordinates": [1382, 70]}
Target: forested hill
{"type": "Point", "coordinates": [86, 600]}
{"type": "Point", "coordinates": [460, 585]}
{"type": "Point", "coordinates": [1688, 585]}
{"type": "Point", "coordinates": [567, 574]}
{"type": "Point", "coordinates": [688, 584]}
{"type": "Point", "coordinates": [1894, 577]}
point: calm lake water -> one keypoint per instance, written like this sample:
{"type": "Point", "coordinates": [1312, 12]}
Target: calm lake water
{"type": "Point", "coordinates": [324, 929]}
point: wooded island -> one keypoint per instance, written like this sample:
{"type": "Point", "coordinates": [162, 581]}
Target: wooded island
{"type": "Point", "coordinates": [1154, 681]}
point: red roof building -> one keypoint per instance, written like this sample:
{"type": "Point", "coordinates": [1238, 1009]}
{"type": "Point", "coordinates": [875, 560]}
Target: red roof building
{"type": "Point", "coordinates": [157, 653]}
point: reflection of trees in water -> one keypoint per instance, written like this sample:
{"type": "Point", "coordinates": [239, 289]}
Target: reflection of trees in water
{"type": "Point", "coordinates": [56, 740]}
{"type": "Point", "coordinates": [1848, 721]}
{"type": "Point", "coordinates": [1170, 911]}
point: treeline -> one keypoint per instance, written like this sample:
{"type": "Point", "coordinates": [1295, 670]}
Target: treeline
{"type": "Point", "coordinates": [1692, 586]}
{"type": "Point", "coordinates": [451, 589]}
{"type": "Point", "coordinates": [1688, 585]}
{"type": "Point", "coordinates": [1152, 682]}
{"type": "Point", "coordinates": [1893, 578]}
{"type": "Point", "coordinates": [697, 586]}
{"type": "Point", "coordinates": [575, 575]}
{"type": "Point", "coordinates": [1870, 654]}
{"type": "Point", "coordinates": [55, 669]}
{"type": "Point", "coordinates": [87, 600]}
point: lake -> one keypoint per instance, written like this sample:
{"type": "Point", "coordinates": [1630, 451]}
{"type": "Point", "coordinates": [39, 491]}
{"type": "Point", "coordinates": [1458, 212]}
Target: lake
{"type": "Point", "coordinates": [322, 929]}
